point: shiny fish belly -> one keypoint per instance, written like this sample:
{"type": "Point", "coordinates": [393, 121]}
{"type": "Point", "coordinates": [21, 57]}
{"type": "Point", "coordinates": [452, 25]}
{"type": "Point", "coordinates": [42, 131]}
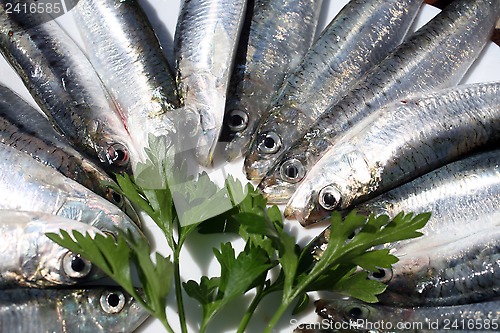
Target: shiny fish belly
{"type": "Point", "coordinates": [106, 310]}
{"type": "Point", "coordinates": [32, 186]}
{"type": "Point", "coordinates": [24, 128]}
{"type": "Point", "coordinates": [358, 38]}
{"type": "Point", "coordinates": [275, 37]}
{"type": "Point", "coordinates": [436, 56]}
{"type": "Point", "coordinates": [65, 86]}
{"type": "Point", "coordinates": [29, 259]}
{"type": "Point", "coordinates": [397, 143]}
{"type": "Point", "coordinates": [124, 51]}
{"type": "Point", "coordinates": [205, 46]}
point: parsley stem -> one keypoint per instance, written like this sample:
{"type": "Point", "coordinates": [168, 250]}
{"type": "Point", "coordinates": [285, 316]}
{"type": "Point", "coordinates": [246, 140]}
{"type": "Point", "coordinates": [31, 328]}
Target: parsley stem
{"type": "Point", "coordinates": [276, 317]}
{"type": "Point", "coordinates": [251, 309]}
{"type": "Point", "coordinates": [178, 290]}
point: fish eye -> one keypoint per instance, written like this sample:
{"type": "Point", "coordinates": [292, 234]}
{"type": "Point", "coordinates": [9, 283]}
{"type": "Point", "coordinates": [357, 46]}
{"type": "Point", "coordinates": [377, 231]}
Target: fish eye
{"type": "Point", "coordinates": [383, 275]}
{"type": "Point", "coordinates": [114, 197]}
{"type": "Point", "coordinates": [112, 301]}
{"type": "Point", "coordinates": [118, 154]}
{"type": "Point", "coordinates": [356, 312]}
{"type": "Point", "coordinates": [75, 266]}
{"type": "Point", "coordinates": [270, 143]}
{"type": "Point", "coordinates": [238, 120]}
{"type": "Point", "coordinates": [292, 170]}
{"type": "Point", "coordinates": [329, 198]}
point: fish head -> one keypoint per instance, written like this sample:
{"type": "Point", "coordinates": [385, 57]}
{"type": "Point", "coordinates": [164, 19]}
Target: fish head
{"type": "Point", "coordinates": [347, 310]}
{"type": "Point", "coordinates": [120, 201]}
{"type": "Point", "coordinates": [273, 137]}
{"type": "Point", "coordinates": [106, 310]}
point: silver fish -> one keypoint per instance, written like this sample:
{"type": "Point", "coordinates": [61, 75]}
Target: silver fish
{"type": "Point", "coordinates": [65, 86]}
{"type": "Point", "coordinates": [436, 56]}
{"type": "Point", "coordinates": [27, 130]}
{"type": "Point", "coordinates": [31, 259]}
{"type": "Point", "coordinates": [124, 51]}
{"type": "Point", "coordinates": [457, 258]}
{"type": "Point", "coordinates": [359, 37]}
{"type": "Point", "coordinates": [277, 37]}
{"type": "Point", "coordinates": [106, 310]}
{"type": "Point", "coordinates": [205, 44]}
{"type": "Point", "coordinates": [362, 317]}
{"type": "Point", "coordinates": [32, 186]}
{"type": "Point", "coordinates": [399, 142]}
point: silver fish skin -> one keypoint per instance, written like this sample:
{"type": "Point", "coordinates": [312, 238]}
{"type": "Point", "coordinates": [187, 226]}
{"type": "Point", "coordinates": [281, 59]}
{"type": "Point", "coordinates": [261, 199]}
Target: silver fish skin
{"type": "Point", "coordinates": [397, 143]}
{"type": "Point", "coordinates": [126, 54]}
{"type": "Point", "coordinates": [205, 44]}
{"type": "Point", "coordinates": [31, 259]}
{"type": "Point", "coordinates": [369, 317]}
{"type": "Point", "coordinates": [64, 84]}
{"type": "Point", "coordinates": [456, 259]}
{"type": "Point", "coordinates": [106, 310]}
{"type": "Point", "coordinates": [359, 37]}
{"type": "Point", "coordinates": [279, 34]}
{"type": "Point", "coordinates": [32, 186]}
{"type": "Point", "coordinates": [435, 57]}
{"type": "Point", "coordinates": [24, 128]}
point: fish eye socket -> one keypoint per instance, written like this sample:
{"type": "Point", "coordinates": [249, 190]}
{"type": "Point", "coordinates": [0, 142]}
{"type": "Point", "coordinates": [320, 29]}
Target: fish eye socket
{"type": "Point", "coordinates": [112, 301]}
{"type": "Point", "coordinates": [382, 275]}
{"type": "Point", "coordinates": [356, 312]}
{"type": "Point", "coordinates": [114, 197]}
{"type": "Point", "coordinates": [75, 266]}
{"type": "Point", "coordinates": [292, 170]}
{"type": "Point", "coordinates": [238, 120]}
{"type": "Point", "coordinates": [270, 143]}
{"type": "Point", "coordinates": [329, 198]}
{"type": "Point", "coordinates": [118, 154]}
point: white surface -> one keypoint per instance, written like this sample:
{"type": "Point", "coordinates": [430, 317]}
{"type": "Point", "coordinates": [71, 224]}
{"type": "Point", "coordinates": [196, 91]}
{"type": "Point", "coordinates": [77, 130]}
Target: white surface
{"type": "Point", "coordinates": [197, 258]}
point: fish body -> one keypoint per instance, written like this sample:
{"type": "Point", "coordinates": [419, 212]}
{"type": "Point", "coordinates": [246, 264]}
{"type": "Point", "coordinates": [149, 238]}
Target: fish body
{"type": "Point", "coordinates": [279, 34]}
{"type": "Point", "coordinates": [32, 186]}
{"type": "Point", "coordinates": [358, 38]}
{"type": "Point", "coordinates": [106, 310]}
{"type": "Point", "coordinates": [125, 53]}
{"type": "Point", "coordinates": [27, 130]}
{"type": "Point", "coordinates": [64, 84]}
{"type": "Point", "coordinates": [205, 45]}
{"type": "Point", "coordinates": [436, 56]}
{"type": "Point", "coordinates": [365, 317]}
{"type": "Point", "coordinates": [28, 258]}
{"type": "Point", "coordinates": [399, 142]}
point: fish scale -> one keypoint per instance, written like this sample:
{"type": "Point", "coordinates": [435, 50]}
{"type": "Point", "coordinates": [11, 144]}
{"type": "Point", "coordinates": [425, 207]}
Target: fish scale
{"type": "Point", "coordinates": [436, 56]}
{"type": "Point", "coordinates": [358, 38]}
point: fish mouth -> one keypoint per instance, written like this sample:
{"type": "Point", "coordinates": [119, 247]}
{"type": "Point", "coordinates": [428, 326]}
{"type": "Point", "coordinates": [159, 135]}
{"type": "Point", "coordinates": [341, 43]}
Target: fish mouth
{"type": "Point", "coordinates": [256, 167]}
{"type": "Point", "coordinates": [275, 190]}
{"type": "Point", "coordinates": [306, 216]}
{"type": "Point", "coordinates": [236, 148]}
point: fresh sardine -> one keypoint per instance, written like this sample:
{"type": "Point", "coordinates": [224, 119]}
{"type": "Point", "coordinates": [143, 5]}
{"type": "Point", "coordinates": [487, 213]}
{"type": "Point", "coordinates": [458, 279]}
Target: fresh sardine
{"type": "Point", "coordinates": [65, 86]}
{"type": "Point", "coordinates": [397, 143]}
{"type": "Point", "coordinates": [205, 44]}
{"type": "Point", "coordinates": [278, 34]}
{"type": "Point", "coordinates": [359, 37]}
{"type": "Point", "coordinates": [106, 310]}
{"type": "Point", "coordinates": [31, 259]}
{"type": "Point", "coordinates": [32, 186]}
{"type": "Point", "coordinates": [24, 128]}
{"type": "Point", "coordinates": [436, 56]}
{"type": "Point", "coordinates": [124, 51]}
{"type": "Point", "coordinates": [362, 317]}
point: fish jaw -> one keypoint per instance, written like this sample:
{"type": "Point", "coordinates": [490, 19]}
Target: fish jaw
{"type": "Point", "coordinates": [275, 190]}
{"type": "Point", "coordinates": [238, 146]}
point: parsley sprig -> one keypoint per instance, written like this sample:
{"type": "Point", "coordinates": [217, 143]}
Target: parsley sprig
{"type": "Point", "coordinates": [179, 205]}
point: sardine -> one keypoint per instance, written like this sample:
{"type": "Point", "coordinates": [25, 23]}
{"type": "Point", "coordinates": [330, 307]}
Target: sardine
{"type": "Point", "coordinates": [65, 86]}
{"type": "Point", "coordinates": [24, 128]}
{"type": "Point", "coordinates": [397, 143]}
{"type": "Point", "coordinates": [125, 52]}
{"type": "Point", "coordinates": [32, 186]}
{"type": "Point", "coordinates": [106, 310]}
{"type": "Point", "coordinates": [435, 57]}
{"type": "Point", "coordinates": [277, 37]}
{"type": "Point", "coordinates": [362, 317]}
{"type": "Point", "coordinates": [359, 37]}
{"type": "Point", "coordinates": [205, 44]}
{"type": "Point", "coordinates": [31, 259]}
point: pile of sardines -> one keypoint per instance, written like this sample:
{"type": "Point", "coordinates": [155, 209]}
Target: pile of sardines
{"type": "Point", "coordinates": [367, 115]}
